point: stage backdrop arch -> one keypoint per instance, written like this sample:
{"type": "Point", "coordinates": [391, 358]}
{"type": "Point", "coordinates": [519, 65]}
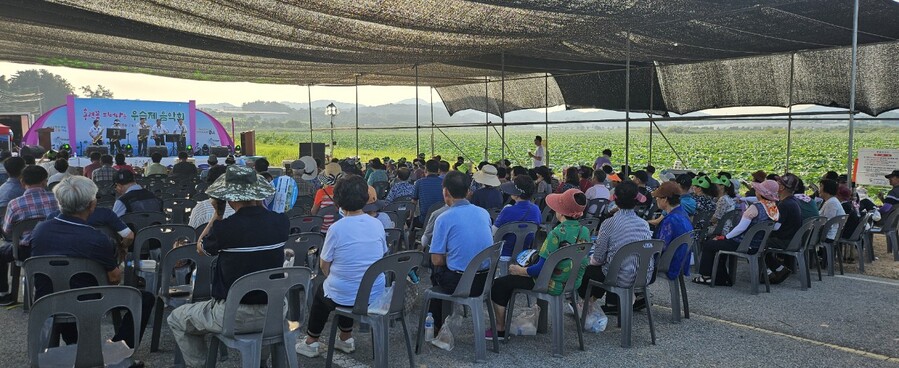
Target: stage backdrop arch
{"type": "Point", "coordinates": [72, 121]}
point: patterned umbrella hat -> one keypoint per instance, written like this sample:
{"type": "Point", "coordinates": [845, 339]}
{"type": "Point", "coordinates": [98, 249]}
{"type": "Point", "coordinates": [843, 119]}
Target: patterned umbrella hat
{"type": "Point", "coordinates": [240, 183]}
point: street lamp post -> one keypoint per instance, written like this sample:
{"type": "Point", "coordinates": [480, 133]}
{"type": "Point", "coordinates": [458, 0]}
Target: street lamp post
{"type": "Point", "coordinates": [332, 111]}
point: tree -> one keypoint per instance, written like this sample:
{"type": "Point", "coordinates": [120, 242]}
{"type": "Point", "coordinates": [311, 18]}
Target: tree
{"type": "Point", "coordinates": [100, 92]}
{"type": "Point", "coordinates": [54, 88]}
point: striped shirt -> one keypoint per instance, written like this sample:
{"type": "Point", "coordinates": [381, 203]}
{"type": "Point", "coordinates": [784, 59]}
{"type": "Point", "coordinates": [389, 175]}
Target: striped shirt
{"type": "Point", "coordinates": [34, 203]}
{"type": "Point", "coordinates": [623, 228]}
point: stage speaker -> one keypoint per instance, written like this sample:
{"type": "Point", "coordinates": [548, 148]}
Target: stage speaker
{"type": "Point", "coordinates": [220, 151]}
{"type": "Point", "coordinates": [317, 150]}
{"type": "Point", "coordinates": [248, 143]}
{"type": "Point", "coordinates": [104, 150]}
{"type": "Point", "coordinates": [163, 150]}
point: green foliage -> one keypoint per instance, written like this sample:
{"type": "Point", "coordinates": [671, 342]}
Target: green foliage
{"type": "Point", "coordinates": [100, 92]}
{"type": "Point", "coordinates": [54, 87]}
{"type": "Point", "coordinates": [814, 151]}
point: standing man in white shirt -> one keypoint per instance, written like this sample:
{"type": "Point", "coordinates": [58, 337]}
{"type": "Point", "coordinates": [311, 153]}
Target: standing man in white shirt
{"type": "Point", "coordinates": [181, 130]}
{"type": "Point", "coordinates": [159, 133]}
{"type": "Point", "coordinates": [115, 144]}
{"type": "Point", "coordinates": [96, 133]}
{"type": "Point", "coordinates": [539, 156]}
{"type": "Point", "coordinates": [142, 139]}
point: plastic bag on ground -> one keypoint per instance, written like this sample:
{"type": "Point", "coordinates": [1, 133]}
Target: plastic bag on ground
{"type": "Point", "coordinates": [525, 322]}
{"type": "Point", "coordinates": [596, 320]}
{"type": "Point", "coordinates": [382, 304]}
{"type": "Point", "coordinates": [444, 339]}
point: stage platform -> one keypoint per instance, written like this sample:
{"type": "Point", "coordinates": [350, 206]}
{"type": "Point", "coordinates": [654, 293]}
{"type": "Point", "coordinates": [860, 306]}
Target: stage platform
{"type": "Point", "coordinates": [142, 161]}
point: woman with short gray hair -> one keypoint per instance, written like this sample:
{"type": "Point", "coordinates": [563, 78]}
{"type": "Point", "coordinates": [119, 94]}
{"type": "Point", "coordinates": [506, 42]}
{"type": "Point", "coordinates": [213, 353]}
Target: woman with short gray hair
{"type": "Point", "coordinates": [74, 194]}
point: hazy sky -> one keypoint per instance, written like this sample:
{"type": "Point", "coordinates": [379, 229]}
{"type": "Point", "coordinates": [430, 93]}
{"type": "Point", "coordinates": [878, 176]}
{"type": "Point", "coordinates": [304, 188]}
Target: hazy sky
{"type": "Point", "coordinates": [149, 87]}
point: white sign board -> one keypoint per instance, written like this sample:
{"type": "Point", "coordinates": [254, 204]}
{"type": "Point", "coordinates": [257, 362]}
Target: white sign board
{"type": "Point", "coordinates": [874, 164]}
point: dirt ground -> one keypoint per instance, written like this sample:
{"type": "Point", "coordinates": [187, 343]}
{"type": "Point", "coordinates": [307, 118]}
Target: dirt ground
{"type": "Point", "coordinates": [883, 266]}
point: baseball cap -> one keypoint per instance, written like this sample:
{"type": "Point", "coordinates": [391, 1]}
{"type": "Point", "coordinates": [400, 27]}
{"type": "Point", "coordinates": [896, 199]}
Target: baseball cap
{"type": "Point", "coordinates": [124, 176]}
{"type": "Point", "coordinates": [789, 181]}
{"type": "Point", "coordinates": [666, 190]}
{"type": "Point", "coordinates": [893, 174]}
{"type": "Point", "coordinates": [642, 175]}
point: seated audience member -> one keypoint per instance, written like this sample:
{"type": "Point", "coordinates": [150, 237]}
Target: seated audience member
{"type": "Point", "coordinates": [640, 178]}
{"type": "Point", "coordinates": [155, 167]}
{"type": "Point", "coordinates": [757, 177]}
{"type": "Point", "coordinates": [12, 187]}
{"type": "Point", "coordinates": [325, 196]}
{"type": "Point", "coordinates": [611, 176]}
{"type": "Point", "coordinates": [569, 206]}
{"type": "Point", "coordinates": [356, 242]}
{"type": "Point", "coordinates": [891, 199]}
{"type": "Point", "coordinates": [543, 181]}
{"type": "Point", "coordinates": [787, 225]}
{"type": "Point", "coordinates": [651, 182]}
{"type": "Point", "coordinates": [844, 194]}
{"type": "Point", "coordinates": [285, 196]}
{"type": "Point", "coordinates": [77, 197]}
{"type": "Point", "coordinates": [705, 194]}
{"type": "Point", "coordinates": [132, 197]}
{"type": "Point", "coordinates": [675, 224]}
{"type": "Point", "coordinates": [204, 212]}
{"type": "Point", "coordinates": [378, 172]}
{"type": "Point", "coordinates": [621, 229]}
{"type": "Point", "coordinates": [29, 160]}
{"type": "Point", "coordinates": [502, 174]}
{"type": "Point", "coordinates": [460, 233]}
{"type": "Point", "coordinates": [808, 208]}
{"type": "Point", "coordinates": [599, 190]}
{"type": "Point", "coordinates": [183, 167]}
{"type": "Point", "coordinates": [572, 180]}
{"type": "Point", "coordinates": [120, 163]}
{"type": "Point", "coordinates": [427, 191]}
{"type": "Point", "coordinates": [686, 199]}
{"type": "Point", "coordinates": [488, 196]}
{"type": "Point", "coordinates": [212, 161]}
{"type": "Point", "coordinates": [726, 200]}
{"type": "Point", "coordinates": [763, 210]}
{"type": "Point", "coordinates": [104, 173]}
{"type": "Point", "coordinates": [443, 167]}
{"type": "Point", "coordinates": [304, 187]}
{"type": "Point", "coordinates": [95, 163]}
{"type": "Point", "coordinates": [250, 240]}
{"type": "Point", "coordinates": [62, 168]}
{"type": "Point", "coordinates": [374, 206]}
{"type": "Point", "coordinates": [401, 186]}
{"type": "Point", "coordinates": [35, 203]}
{"type": "Point", "coordinates": [831, 207]}
{"type": "Point", "coordinates": [521, 188]}
{"type": "Point", "coordinates": [604, 160]}
{"type": "Point", "coordinates": [586, 173]}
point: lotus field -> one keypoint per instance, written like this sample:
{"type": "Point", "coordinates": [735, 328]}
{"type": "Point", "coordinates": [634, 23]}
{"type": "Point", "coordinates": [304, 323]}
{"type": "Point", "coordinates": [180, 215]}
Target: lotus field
{"type": "Point", "coordinates": [814, 151]}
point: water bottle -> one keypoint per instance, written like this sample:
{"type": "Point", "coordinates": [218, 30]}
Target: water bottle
{"type": "Point", "coordinates": [429, 327]}
{"type": "Point", "coordinates": [413, 277]}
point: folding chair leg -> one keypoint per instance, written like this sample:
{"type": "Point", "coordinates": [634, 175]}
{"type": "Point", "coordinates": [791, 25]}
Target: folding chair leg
{"type": "Point", "coordinates": [408, 338]}
{"type": "Point", "coordinates": [804, 281]}
{"type": "Point", "coordinates": [652, 328]}
{"type": "Point", "coordinates": [480, 345]}
{"type": "Point", "coordinates": [715, 269]}
{"type": "Point", "coordinates": [558, 335]}
{"type": "Point", "coordinates": [683, 293]}
{"type": "Point", "coordinates": [579, 327]}
{"type": "Point", "coordinates": [755, 271]}
{"type": "Point", "coordinates": [158, 310]}
{"type": "Point", "coordinates": [625, 316]}
{"type": "Point", "coordinates": [510, 308]}
{"type": "Point", "coordinates": [492, 315]}
{"type": "Point", "coordinates": [420, 336]}
{"type": "Point", "coordinates": [674, 290]}
{"type": "Point", "coordinates": [764, 267]}
{"type": "Point", "coordinates": [331, 341]}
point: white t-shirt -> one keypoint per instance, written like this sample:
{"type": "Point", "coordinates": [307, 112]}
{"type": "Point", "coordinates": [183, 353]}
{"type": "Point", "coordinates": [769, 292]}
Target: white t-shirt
{"type": "Point", "coordinates": [352, 244]}
{"type": "Point", "coordinates": [831, 209]}
{"type": "Point", "coordinates": [541, 152]}
{"type": "Point", "coordinates": [597, 191]}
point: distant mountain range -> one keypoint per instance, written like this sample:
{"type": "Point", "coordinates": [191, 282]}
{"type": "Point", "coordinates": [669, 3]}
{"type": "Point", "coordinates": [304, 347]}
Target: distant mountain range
{"type": "Point", "coordinates": [403, 113]}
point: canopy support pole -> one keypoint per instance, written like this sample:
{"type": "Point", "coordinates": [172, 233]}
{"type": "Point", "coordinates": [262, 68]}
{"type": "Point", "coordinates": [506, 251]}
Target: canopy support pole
{"type": "Point", "coordinates": [432, 121]}
{"type": "Point", "coordinates": [357, 116]}
{"type": "Point", "coordinates": [627, 109]}
{"type": "Point", "coordinates": [486, 118]}
{"type": "Point", "coordinates": [652, 71]}
{"type": "Point", "coordinates": [853, 72]}
{"type": "Point", "coordinates": [669, 144]}
{"type": "Point", "coordinates": [503, 105]}
{"type": "Point", "coordinates": [417, 127]}
{"type": "Point", "coordinates": [309, 90]}
{"type": "Point", "coordinates": [790, 117]}
{"type": "Point", "coordinates": [546, 117]}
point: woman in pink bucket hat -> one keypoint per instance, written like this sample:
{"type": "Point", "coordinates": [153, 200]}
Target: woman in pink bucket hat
{"type": "Point", "coordinates": [763, 210]}
{"type": "Point", "coordinates": [568, 206]}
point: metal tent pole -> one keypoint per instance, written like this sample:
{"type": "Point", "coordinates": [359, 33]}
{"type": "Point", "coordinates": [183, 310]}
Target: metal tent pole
{"type": "Point", "coordinates": [417, 127]}
{"type": "Point", "coordinates": [432, 121]}
{"type": "Point", "coordinates": [546, 121]}
{"type": "Point", "coordinates": [627, 109]}
{"type": "Point", "coordinates": [503, 106]}
{"type": "Point", "coordinates": [651, 98]}
{"type": "Point", "coordinates": [790, 117]}
{"type": "Point", "coordinates": [853, 74]}
{"type": "Point", "coordinates": [309, 90]}
{"type": "Point", "coordinates": [486, 118]}
{"type": "Point", "coordinates": [357, 115]}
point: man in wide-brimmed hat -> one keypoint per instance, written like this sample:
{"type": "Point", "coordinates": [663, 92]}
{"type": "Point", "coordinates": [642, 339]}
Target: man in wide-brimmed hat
{"type": "Point", "coordinates": [250, 240]}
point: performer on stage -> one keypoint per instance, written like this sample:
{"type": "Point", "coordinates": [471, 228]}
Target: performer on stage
{"type": "Point", "coordinates": [96, 133]}
{"type": "Point", "coordinates": [142, 139]}
{"type": "Point", "coordinates": [159, 133]}
{"type": "Point", "coordinates": [182, 130]}
{"type": "Point", "coordinates": [115, 144]}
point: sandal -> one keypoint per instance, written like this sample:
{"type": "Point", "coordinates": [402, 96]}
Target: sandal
{"type": "Point", "coordinates": [702, 280]}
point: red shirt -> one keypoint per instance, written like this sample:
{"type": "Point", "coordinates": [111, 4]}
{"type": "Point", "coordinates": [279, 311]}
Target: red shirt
{"type": "Point", "coordinates": [89, 169]}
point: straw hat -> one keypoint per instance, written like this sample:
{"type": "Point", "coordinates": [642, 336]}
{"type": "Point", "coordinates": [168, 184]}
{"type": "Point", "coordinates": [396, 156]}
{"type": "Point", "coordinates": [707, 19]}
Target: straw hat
{"type": "Point", "coordinates": [310, 169]}
{"type": "Point", "coordinates": [331, 173]}
{"type": "Point", "coordinates": [487, 176]}
{"type": "Point", "coordinates": [373, 205]}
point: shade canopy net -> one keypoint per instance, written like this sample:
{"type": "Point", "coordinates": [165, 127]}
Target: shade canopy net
{"type": "Point", "coordinates": [685, 55]}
